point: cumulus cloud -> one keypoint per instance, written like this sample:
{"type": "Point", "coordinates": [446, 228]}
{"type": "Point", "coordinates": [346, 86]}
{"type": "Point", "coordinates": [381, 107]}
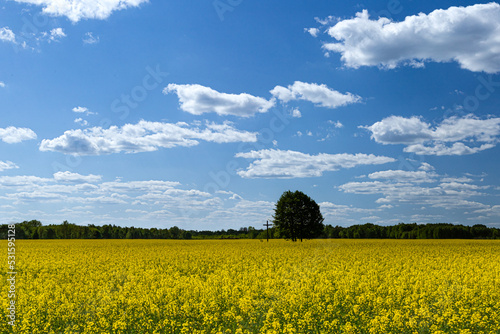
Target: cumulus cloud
{"type": "Point", "coordinates": [466, 35]}
{"type": "Point", "coordinates": [7, 35]}
{"type": "Point", "coordinates": [197, 100]}
{"type": "Point", "coordinates": [448, 138]}
{"type": "Point", "coordinates": [13, 135]}
{"type": "Point", "coordinates": [4, 165]}
{"type": "Point", "coordinates": [142, 137]}
{"type": "Point", "coordinates": [320, 95]}
{"type": "Point", "coordinates": [400, 130]}
{"type": "Point", "coordinates": [75, 10]}
{"type": "Point", "coordinates": [76, 178]}
{"type": "Point", "coordinates": [272, 163]}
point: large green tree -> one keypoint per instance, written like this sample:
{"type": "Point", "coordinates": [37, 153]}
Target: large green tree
{"type": "Point", "coordinates": [297, 216]}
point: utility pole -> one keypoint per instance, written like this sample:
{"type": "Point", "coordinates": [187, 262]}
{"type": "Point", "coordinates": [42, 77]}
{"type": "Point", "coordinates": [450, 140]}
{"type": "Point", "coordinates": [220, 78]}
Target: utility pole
{"type": "Point", "coordinates": [267, 226]}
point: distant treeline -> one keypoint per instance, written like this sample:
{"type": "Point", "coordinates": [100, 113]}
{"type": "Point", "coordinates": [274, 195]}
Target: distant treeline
{"type": "Point", "coordinates": [35, 230]}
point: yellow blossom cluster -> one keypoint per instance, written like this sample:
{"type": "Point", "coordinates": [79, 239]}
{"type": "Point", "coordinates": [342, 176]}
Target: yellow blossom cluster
{"type": "Point", "coordinates": [247, 286]}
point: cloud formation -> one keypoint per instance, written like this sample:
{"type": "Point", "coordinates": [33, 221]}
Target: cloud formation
{"type": "Point", "coordinates": [197, 100]}
{"type": "Point", "coordinates": [7, 35]}
{"type": "Point", "coordinates": [167, 203]}
{"type": "Point", "coordinates": [75, 10]}
{"type": "Point", "coordinates": [68, 177]}
{"type": "Point", "coordinates": [466, 35]}
{"type": "Point", "coordinates": [54, 35]}
{"type": "Point", "coordinates": [454, 136]}
{"type": "Point", "coordinates": [4, 165]}
{"type": "Point", "coordinates": [320, 95]}
{"type": "Point", "coordinates": [142, 137]}
{"type": "Point", "coordinates": [291, 164]}
{"type": "Point", "coordinates": [398, 186]}
{"type": "Point", "coordinates": [404, 176]}
{"type": "Point", "coordinates": [89, 38]}
{"type": "Point", "coordinates": [13, 135]}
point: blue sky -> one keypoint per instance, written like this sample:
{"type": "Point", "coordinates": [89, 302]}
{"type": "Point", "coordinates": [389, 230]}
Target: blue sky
{"type": "Point", "coordinates": [201, 113]}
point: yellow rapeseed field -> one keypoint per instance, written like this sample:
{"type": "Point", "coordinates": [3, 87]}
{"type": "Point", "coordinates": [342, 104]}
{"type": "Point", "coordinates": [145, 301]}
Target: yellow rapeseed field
{"type": "Point", "coordinates": [248, 286]}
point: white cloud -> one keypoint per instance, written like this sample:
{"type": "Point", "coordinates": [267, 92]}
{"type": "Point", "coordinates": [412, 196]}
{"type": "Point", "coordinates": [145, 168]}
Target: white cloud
{"type": "Point", "coordinates": [75, 10]}
{"type": "Point", "coordinates": [291, 164]}
{"type": "Point", "coordinates": [336, 124]}
{"type": "Point", "coordinates": [76, 178]}
{"type": "Point", "coordinates": [138, 186]}
{"type": "Point", "coordinates": [296, 113]}
{"type": "Point", "coordinates": [339, 210]}
{"type": "Point", "coordinates": [426, 167]}
{"type": "Point", "coordinates": [312, 31]}
{"type": "Point", "coordinates": [7, 35]}
{"type": "Point", "coordinates": [21, 181]}
{"type": "Point", "coordinates": [442, 149]}
{"type": "Point", "coordinates": [197, 100]}
{"type": "Point", "coordinates": [81, 121]}
{"type": "Point", "coordinates": [142, 137]}
{"type": "Point", "coordinates": [404, 176]}
{"type": "Point", "coordinates": [55, 34]}
{"type": "Point", "coordinates": [405, 187]}
{"type": "Point", "coordinates": [89, 38]}
{"type": "Point", "coordinates": [467, 35]}
{"type": "Point", "coordinates": [327, 20]}
{"type": "Point", "coordinates": [12, 135]}
{"type": "Point", "coordinates": [2, 84]}
{"type": "Point", "coordinates": [400, 130]}
{"type": "Point", "coordinates": [81, 110]}
{"type": "Point", "coordinates": [4, 165]}
{"type": "Point", "coordinates": [320, 95]}
{"type": "Point", "coordinates": [445, 139]}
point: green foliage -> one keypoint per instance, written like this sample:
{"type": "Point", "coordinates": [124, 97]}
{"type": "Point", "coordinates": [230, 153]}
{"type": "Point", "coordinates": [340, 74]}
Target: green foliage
{"type": "Point", "coordinates": [35, 230]}
{"type": "Point", "coordinates": [297, 216]}
{"type": "Point", "coordinates": [413, 231]}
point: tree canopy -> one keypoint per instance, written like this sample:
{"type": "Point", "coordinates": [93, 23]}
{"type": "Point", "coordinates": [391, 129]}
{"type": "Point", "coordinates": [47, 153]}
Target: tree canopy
{"type": "Point", "coordinates": [297, 216]}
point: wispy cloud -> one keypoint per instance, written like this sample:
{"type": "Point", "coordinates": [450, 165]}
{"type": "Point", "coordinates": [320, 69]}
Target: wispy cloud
{"type": "Point", "coordinates": [89, 38]}
{"type": "Point", "coordinates": [4, 165]}
{"type": "Point", "coordinates": [398, 186]}
{"type": "Point", "coordinates": [291, 164]}
{"type": "Point", "coordinates": [70, 177]}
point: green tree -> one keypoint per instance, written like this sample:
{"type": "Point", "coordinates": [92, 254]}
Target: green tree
{"type": "Point", "coordinates": [297, 216]}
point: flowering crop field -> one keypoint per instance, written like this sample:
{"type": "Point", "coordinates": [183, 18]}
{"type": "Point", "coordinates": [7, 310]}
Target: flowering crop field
{"type": "Point", "coordinates": [247, 286]}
